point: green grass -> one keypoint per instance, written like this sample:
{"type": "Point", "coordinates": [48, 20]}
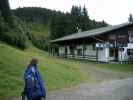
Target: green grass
{"type": "Point", "coordinates": [40, 30]}
{"type": "Point", "coordinates": [57, 73]}
{"type": "Point", "coordinates": [128, 68]}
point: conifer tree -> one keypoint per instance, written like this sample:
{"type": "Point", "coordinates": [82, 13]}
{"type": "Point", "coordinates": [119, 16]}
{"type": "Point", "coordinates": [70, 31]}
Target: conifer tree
{"type": "Point", "coordinates": [130, 19]}
{"type": "Point", "coordinates": [5, 11]}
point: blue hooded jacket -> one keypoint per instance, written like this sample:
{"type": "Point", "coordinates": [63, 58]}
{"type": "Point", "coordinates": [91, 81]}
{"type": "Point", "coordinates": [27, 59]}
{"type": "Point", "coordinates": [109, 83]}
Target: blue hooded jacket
{"type": "Point", "coordinates": [34, 85]}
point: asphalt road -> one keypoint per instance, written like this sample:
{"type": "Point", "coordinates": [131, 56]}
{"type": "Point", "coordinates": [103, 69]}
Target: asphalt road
{"type": "Point", "coordinates": [112, 90]}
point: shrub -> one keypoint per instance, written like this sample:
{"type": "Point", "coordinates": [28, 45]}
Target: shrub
{"type": "Point", "coordinates": [13, 35]}
{"type": "Point", "coordinates": [15, 38]}
{"type": "Point", "coordinates": [39, 41]}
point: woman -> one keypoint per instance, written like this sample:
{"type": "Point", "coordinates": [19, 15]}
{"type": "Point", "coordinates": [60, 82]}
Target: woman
{"type": "Point", "coordinates": [34, 85]}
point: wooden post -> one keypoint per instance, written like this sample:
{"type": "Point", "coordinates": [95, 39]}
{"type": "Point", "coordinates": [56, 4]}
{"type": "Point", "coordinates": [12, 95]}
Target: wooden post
{"type": "Point", "coordinates": [97, 55]}
{"type": "Point", "coordinates": [83, 51]}
{"type": "Point", "coordinates": [66, 52]}
{"type": "Point", "coordinates": [49, 50]}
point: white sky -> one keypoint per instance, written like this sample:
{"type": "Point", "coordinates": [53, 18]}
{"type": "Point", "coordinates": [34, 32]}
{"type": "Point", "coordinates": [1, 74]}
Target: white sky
{"type": "Point", "coordinates": [112, 11]}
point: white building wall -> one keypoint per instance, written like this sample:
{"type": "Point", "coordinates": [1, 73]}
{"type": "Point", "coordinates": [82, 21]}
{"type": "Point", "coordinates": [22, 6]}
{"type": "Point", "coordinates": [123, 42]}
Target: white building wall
{"type": "Point", "coordinates": [103, 55]}
{"type": "Point", "coordinates": [79, 47]}
{"type": "Point", "coordinates": [76, 52]}
{"type": "Point", "coordinates": [61, 51]}
{"type": "Point", "coordinates": [123, 56]}
{"type": "Point", "coordinates": [89, 50]}
{"type": "Point", "coordinates": [68, 50]}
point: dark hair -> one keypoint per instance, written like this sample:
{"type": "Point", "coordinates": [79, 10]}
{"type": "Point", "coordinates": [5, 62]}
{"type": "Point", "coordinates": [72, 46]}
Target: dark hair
{"type": "Point", "coordinates": [34, 61]}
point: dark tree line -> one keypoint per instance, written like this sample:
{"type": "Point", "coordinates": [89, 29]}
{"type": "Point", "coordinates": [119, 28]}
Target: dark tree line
{"type": "Point", "coordinates": [5, 11]}
{"type": "Point", "coordinates": [68, 23]}
{"type": "Point", "coordinates": [11, 31]}
{"type": "Point", "coordinates": [60, 24]}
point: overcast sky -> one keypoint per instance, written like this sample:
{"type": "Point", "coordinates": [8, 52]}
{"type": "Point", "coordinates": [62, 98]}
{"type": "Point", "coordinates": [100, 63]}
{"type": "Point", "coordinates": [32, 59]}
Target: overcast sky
{"type": "Point", "coordinates": [112, 11]}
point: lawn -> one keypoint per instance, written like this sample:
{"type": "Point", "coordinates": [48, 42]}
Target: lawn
{"type": "Point", "coordinates": [57, 73]}
{"type": "Point", "coordinates": [127, 68]}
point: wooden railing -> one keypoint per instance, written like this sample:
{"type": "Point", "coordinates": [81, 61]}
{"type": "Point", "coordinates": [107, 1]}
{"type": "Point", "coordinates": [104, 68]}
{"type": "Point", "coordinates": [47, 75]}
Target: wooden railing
{"type": "Point", "coordinates": [87, 57]}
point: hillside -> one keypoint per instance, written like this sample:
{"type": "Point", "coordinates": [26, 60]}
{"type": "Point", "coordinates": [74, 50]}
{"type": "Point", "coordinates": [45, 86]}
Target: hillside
{"type": "Point", "coordinates": [56, 72]}
{"type": "Point", "coordinates": [40, 30]}
{"type": "Point", "coordinates": [59, 23]}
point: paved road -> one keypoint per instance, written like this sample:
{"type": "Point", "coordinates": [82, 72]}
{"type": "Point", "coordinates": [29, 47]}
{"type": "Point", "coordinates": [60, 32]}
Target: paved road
{"type": "Point", "coordinates": [113, 90]}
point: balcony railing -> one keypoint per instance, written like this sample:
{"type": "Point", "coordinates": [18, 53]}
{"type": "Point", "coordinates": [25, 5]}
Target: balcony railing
{"type": "Point", "coordinates": [87, 57]}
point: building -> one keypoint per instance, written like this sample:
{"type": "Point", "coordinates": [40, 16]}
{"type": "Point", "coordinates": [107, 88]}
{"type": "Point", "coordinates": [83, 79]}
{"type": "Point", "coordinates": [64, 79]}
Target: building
{"type": "Point", "coordinates": [111, 43]}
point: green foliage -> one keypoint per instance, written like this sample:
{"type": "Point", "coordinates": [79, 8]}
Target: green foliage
{"type": "Point", "coordinates": [11, 31]}
{"type": "Point", "coordinates": [39, 35]}
{"type": "Point", "coordinates": [39, 41]}
{"type": "Point", "coordinates": [67, 23]}
{"type": "Point", "coordinates": [60, 24]}
{"type": "Point", "coordinates": [3, 26]}
{"type": "Point", "coordinates": [34, 14]}
{"type": "Point", "coordinates": [130, 19]}
{"type": "Point", "coordinates": [14, 35]}
{"type": "Point", "coordinates": [76, 11]}
{"type": "Point", "coordinates": [5, 11]}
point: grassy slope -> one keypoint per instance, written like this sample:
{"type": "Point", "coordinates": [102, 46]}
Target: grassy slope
{"type": "Point", "coordinates": [40, 30]}
{"type": "Point", "coordinates": [57, 73]}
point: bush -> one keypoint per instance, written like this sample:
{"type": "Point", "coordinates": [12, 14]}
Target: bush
{"type": "Point", "coordinates": [39, 41]}
{"type": "Point", "coordinates": [3, 25]}
{"type": "Point", "coordinates": [15, 38]}
{"type": "Point", "coordinates": [13, 35]}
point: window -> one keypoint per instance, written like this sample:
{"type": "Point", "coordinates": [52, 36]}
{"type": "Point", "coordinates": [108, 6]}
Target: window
{"type": "Point", "coordinates": [111, 52]}
{"type": "Point", "coordinates": [130, 52]}
{"type": "Point", "coordinates": [79, 52]}
{"type": "Point", "coordinates": [93, 47]}
{"type": "Point", "coordinates": [130, 36]}
{"type": "Point", "coordinates": [72, 50]}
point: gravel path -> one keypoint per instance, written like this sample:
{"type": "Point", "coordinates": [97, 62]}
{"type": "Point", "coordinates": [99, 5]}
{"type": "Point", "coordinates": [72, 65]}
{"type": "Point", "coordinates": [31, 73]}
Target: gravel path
{"type": "Point", "coordinates": [113, 90]}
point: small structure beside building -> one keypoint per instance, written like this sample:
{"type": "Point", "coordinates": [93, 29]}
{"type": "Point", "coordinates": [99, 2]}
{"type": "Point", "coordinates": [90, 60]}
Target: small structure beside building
{"type": "Point", "coordinates": [111, 43]}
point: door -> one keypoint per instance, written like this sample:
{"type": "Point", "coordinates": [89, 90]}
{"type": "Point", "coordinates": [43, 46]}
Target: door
{"type": "Point", "coordinates": [113, 53]}
{"type": "Point", "coordinates": [116, 54]}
